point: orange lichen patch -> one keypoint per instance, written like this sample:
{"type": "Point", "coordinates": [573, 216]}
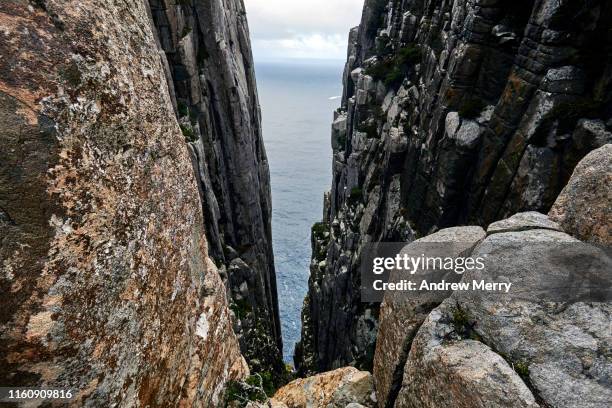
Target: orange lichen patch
{"type": "Point", "coordinates": [25, 355]}
{"type": "Point", "coordinates": [29, 115]}
{"type": "Point", "coordinates": [47, 370]}
{"type": "Point", "coordinates": [99, 350]}
{"type": "Point", "coordinates": [514, 90]}
{"type": "Point", "coordinates": [239, 368]}
{"type": "Point", "coordinates": [52, 300]}
{"type": "Point", "coordinates": [45, 281]}
{"type": "Point", "coordinates": [19, 19]}
{"type": "Point", "coordinates": [27, 97]}
{"type": "Point", "coordinates": [10, 23]}
{"type": "Point", "coordinates": [147, 390]}
{"type": "Point", "coordinates": [320, 390]}
{"type": "Point", "coordinates": [39, 325]}
{"type": "Point", "coordinates": [85, 392]}
{"type": "Point", "coordinates": [190, 387]}
{"type": "Point", "coordinates": [130, 292]}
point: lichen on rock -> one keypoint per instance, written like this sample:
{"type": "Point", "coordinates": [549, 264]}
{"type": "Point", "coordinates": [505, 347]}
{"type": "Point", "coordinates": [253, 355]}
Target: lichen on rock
{"type": "Point", "coordinates": [110, 291]}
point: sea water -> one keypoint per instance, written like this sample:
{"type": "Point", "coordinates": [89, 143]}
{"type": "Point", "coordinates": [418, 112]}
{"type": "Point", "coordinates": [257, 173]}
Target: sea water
{"type": "Point", "coordinates": [297, 99]}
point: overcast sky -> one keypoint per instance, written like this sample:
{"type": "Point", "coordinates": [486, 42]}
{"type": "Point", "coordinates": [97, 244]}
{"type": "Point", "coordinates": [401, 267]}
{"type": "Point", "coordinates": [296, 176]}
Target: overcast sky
{"type": "Point", "coordinates": [301, 28]}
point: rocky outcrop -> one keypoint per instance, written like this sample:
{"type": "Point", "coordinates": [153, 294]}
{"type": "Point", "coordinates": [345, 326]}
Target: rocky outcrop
{"type": "Point", "coordinates": [458, 374]}
{"type": "Point", "coordinates": [584, 207]}
{"type": "Point", "coordinates": [401, 316]}
{"type": "Point", "coordinates": [536, 346]}
{"type": "Point", "coordinates": [107, 286]}
{"type": "Point", "coordinates": [453, 113]}
{"type": "Point", "coordinates": [341, 388]}
{"type": "Point", "coordinates": [210, 69]}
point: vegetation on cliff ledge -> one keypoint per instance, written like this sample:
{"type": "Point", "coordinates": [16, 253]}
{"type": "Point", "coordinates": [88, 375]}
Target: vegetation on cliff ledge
{"type": "Point", "coordinates": [392, 69]}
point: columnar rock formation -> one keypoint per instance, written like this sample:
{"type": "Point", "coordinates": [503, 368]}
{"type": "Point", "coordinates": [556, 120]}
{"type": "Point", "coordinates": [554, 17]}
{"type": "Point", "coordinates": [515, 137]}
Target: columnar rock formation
{"type": "Point", "coordinates": [453, 113]}
{"type": "Point", "coordinates": [212, 85]}
{"type": "Point", "coordinates": [546, 343]}
{"type": "Point", "coordinates": [107, 284]}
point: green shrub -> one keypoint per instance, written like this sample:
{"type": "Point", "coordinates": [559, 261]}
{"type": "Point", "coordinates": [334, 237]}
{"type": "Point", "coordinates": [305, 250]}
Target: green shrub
{"type": "Point", "coordinates": [380, 69]}
{"type": "Point", "coordinates": [391, 70]}
{"type": "Point", "coordinates": [521, 368]}
{"type": "Point", "coordinates": [183, 109]}
{"type": "Point", "coordinates": [268, 383]}
{"type": "Point", "coordinates": [356, 194]}
{"type": "Point", "coordinates": [461, 320]}
{"type": "Point", "coordinates": [411, 53]}
{"type": "Point", "coordinates": [241, 308]}
{"type": "Point", "coordinates": [395, 76]}
{"type": "Point", "coordinates": [319, 229]}
{"type": "Point", "coordinates": [188, 132]}
{"type": "Point", "coordinates": [242, 392]}
{"type": "Point", "coordinates": [321, 253]}
{"type": "Point", "coordinates": [233, 391]}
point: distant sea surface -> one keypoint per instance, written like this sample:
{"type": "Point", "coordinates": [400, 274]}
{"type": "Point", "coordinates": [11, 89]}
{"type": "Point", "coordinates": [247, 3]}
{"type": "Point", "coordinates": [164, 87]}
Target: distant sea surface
{"type": "Point", "coordinates": [297, 101]}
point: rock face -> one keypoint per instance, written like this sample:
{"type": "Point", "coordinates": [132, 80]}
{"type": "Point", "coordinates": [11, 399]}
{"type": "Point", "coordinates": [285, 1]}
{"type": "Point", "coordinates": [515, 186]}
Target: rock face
{"type": "Point", "coordinates": [485, 349]}
{"type": "Point", "coordinates": [584, 207]}
{"type": "Point", "coordinates": [107, 285]}
{"type": "Point", "coordinates": [341, 388]}
{"type": "Point", "coordinates": [458, 374]}
{"type": "Point", "coordinates": [453, 113]}
{"type": "Point", "coordinates": [212, 84]}
{"type": "Point", "coordinates": [402, 316]}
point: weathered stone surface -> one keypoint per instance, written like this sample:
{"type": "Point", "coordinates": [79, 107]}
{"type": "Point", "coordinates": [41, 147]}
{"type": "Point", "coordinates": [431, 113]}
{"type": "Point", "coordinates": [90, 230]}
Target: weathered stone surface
{"type": "Point", "coordinates": [563, 344]}
{"type": "Point", "coordinates": [212, 79]}
{"type": "Point", "coordinates": [333, 389]}
{"type": "Point", "coordinates": [527, 348]}
{"type": "Point", "coordinates": [523, 221]}
{"type": "Point", "coordinates": [442, 372]}
{"type": "Point", "coordinates": [401, 314]}
{"type": "Point", "coordinates": [271, 403]}
{"type": "Point", "coordinates": [584, 207]}
{"type": "Point", "coordinates": [107, 286]}
{"type": "Point", "coordinates": [479, 110]}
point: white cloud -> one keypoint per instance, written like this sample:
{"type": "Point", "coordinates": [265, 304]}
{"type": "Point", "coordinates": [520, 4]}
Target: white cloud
{"type": "Point", "coordinates": [301, 28]}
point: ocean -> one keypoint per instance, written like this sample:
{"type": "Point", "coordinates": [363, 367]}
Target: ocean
{"type": "Point", "coordinates": [297, 99]}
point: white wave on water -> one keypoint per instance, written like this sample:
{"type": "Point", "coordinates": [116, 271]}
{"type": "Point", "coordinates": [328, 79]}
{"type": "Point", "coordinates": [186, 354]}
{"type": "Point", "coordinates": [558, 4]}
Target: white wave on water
{"type": "Point", "coordinates": [331, 98]}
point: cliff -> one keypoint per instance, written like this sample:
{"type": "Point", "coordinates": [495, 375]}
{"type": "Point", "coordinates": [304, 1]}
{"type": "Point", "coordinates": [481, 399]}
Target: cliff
{"type": "Point", "coordinates": [544, 344]}
{"type": "Point", "coordinates": [212, 85]}
{"type": "Point", "coordinates": [118, 160]}
{"type": "Point", "coordinates": [453, 113]}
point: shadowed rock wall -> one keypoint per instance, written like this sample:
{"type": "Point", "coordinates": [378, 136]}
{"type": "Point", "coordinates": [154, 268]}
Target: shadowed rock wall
{"type": "Point", "coordinates": [453, 113]}
{"type": "Point", "coordinates": [210, 67]}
